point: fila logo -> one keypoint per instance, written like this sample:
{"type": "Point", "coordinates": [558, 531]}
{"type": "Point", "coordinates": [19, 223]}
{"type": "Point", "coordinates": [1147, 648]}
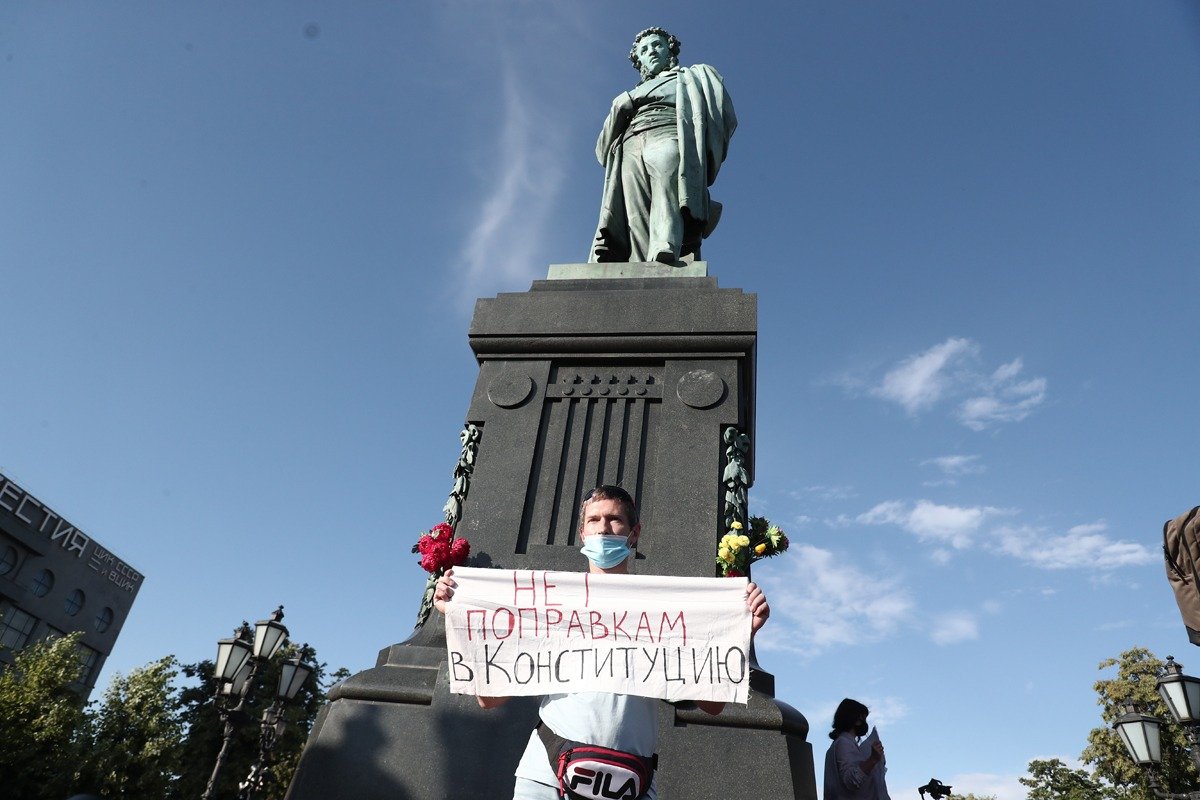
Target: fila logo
{"type": "Point", "coordinates": [598, 783]}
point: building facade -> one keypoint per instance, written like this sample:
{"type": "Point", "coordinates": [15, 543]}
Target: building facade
{"type": "Point", "coordinates": [55, 580]}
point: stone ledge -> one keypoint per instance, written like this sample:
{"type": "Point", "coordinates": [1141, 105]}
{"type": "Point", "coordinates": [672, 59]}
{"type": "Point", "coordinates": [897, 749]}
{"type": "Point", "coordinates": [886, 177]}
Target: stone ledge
{"type": "Point", "coordinates": [632, 269]}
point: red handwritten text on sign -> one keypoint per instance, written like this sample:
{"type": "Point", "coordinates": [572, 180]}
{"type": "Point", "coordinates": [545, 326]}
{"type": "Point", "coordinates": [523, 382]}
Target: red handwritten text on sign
{"type": "Point", "coordinates": [522, 632]}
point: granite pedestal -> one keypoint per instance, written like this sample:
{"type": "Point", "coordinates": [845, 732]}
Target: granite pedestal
{"type": "Point", "coordinates": [631, 380]}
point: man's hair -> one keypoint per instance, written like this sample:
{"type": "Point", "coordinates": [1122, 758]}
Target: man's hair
{"type": "Point", "coordinates": [672, 45]}
{"type": "Point", "coordinates": [846, 716]}
{"type": "Point", "coordinates": [610, 492]}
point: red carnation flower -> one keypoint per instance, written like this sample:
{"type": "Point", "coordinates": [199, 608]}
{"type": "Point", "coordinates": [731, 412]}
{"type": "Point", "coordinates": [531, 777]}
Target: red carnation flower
{"type": "Point", "coordinates": [459, 550]}
{"type": "Point", "coordinates": [441, 530]}
{"type": "Point", "coordinates": [733, 573]}
{"type": "Point", "coordinates": [424, 543]}
{"type": "Point", "coordinates": [436, 557]}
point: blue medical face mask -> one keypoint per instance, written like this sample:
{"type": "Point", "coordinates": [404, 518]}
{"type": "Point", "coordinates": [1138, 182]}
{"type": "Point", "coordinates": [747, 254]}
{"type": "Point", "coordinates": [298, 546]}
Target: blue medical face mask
{"type": "Point", "coordinates": [606, 551]}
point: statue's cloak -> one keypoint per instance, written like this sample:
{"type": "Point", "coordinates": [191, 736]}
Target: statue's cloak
{"type": "Point", "coordinates": [704, 122]}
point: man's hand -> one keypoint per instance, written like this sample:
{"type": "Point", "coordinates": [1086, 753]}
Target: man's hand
{"type": "Point", "coordinates": [444, 591]}
{"type": "Point", "coordinates": [443, 594]}
{"type": "Point", "coordinates": [491, 702]}
{"type": "Point", "coordinates": [760, 610]}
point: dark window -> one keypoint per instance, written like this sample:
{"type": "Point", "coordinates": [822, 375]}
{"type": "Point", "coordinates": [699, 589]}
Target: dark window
{"type": "Point", "coordinates": [104, 620]}
{"type": "Point", "coordinates": [15, 627]}
{"type": "Point", "coordinates": [87, 659]}
{"type": "Point", "coordinates": [8, 560]}
{"type": "Point", "coordinates": [43, 583]}
{"type": "Point", "coordinates": [74, 602]}
{"type": "Point", "coordinates": [53, 634]}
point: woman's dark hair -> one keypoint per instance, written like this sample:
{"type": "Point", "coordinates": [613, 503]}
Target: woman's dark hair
{"type": "Point", "coordinates": [846, 716]}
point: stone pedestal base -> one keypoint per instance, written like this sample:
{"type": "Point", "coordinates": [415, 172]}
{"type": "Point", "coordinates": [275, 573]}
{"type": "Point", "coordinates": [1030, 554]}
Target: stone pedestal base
{"type": "Point", "coordinates": [395, 732]}
{"type": "Point", "coordinates": [633, 376]}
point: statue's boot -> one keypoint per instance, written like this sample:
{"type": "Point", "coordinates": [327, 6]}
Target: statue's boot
{"type": "Point", "coordinates": [664, 253]}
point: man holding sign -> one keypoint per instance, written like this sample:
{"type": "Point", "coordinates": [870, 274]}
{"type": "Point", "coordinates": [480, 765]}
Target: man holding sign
{"type": "Point", "coordinates": [601, 648]}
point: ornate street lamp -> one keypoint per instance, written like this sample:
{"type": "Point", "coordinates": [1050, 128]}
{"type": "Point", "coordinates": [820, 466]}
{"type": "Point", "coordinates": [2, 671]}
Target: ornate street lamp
{"type": "Point", "coordinates": [292, 676]}
{"type": "Point", "coordinates": [236, 687]}
{"type": "Point", "coordinates": [1141, 735]}
{"type": "Point", "coordinates": [238, 661]}
{"type": "Point", "coordinates": [232, 654]}
{"type": "Point", "coordinates": [1181, 693]}
{"type": "Point", "coordinates": [269, 635]}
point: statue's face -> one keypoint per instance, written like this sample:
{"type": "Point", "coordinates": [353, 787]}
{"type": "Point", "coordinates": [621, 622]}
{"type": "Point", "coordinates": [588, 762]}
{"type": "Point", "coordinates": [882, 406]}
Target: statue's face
{"type": "Point", "coordinates": [653, 54]}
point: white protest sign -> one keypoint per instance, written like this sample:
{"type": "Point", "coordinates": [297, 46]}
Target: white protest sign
{"type": "Point", "coordinates": [525, 632]}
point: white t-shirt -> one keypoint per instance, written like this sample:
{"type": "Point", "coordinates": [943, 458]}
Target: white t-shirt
{"type": "Point", "coordinates": [620, 721]}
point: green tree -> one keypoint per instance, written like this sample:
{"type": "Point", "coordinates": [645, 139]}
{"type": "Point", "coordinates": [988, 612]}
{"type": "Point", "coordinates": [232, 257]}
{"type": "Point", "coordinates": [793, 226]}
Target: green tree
{"type": "Point", "coordinates": [137, 735]}
{"type": "Point", "coordinates": [1136, 682]}
{"type": "Point", "coordinates": [972, 796]}
{"type": "Point", "coordinates": [1051, 779]}
{"type": "Point", "coordinates": [43, 726]}
{"type": "Point", "coordinates": [148, 738]}
{"type": "Point", "coordinates": [203, 727]}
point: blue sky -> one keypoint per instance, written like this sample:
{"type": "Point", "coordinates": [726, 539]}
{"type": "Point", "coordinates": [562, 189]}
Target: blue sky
{"type": "Point", "coordinates": [240, 243]}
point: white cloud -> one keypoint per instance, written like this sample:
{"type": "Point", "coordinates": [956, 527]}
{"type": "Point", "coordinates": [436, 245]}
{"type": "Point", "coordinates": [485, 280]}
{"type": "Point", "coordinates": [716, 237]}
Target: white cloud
{"type": "Point", "coordinates": [827, 492]}
{"type": "Point", "coordinates": [822, 603]}
{"type": "Point", "coordinates": [954, 627]}
{"type": "Point", "coordinates": [885, 711]}
{"type": "Point", "coordinates": [931, 522]}
{"type": "Point", "coordinates": [1005, 399]}
{"type": "Point", "coordinates": [952, 524]}
{"type": "Point", "coordinates": [1004, 787]}
{"type": "Point", "coordinates": [956, 465]}
{"type": "Point", "coordinates": [1081, 547]}
{"type": "Point", "coordinates": [1006, 372]}
{"type": "Point", "coordinates": [920, 380]}
{"type": "Point", "coordinates": [1115, 626]}
{"type": "Point", "coordinates": [515, 208]}
{"type": "Point", "coordinates": [957, 527]}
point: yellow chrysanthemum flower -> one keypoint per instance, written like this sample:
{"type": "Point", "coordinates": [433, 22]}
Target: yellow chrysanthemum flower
{"type": "Point", "coordinates": [737, 526]}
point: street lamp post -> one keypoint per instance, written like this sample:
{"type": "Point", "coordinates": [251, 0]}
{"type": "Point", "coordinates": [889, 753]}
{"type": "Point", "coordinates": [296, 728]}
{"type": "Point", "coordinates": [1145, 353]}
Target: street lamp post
{"type": "Point", "coordinates": [238, 660]}
{"type": "Point", "coordinates": [292, 676]}
{"type": "Point", "coordinates": [1141, 733]}
{"type": "Point", "coordinates": [1181, 693]}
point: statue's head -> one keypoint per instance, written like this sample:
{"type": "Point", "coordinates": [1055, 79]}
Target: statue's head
{"type": "Point", "coordinates": [653, 51]}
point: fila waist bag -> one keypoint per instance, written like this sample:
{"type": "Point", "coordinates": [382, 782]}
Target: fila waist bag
{"type": "Point", "coordinates": [588, 772]}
